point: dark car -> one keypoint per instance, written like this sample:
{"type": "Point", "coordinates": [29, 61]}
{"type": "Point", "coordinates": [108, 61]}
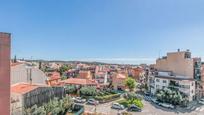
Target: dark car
{"type": "Point", "coordinates": [134, 108]}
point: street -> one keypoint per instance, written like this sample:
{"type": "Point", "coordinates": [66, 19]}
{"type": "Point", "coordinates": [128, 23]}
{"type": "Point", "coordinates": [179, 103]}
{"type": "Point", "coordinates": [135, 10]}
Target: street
{"type": "Point", "coordinates": [149, 109]}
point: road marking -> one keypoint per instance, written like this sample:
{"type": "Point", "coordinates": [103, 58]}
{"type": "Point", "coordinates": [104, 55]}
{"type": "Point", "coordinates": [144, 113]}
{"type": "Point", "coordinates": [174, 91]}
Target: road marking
{"type": "Point", "coordinates": [197, 108]}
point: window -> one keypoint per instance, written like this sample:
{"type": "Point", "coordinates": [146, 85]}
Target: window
{"type": "Point", "coordinates": [163, 87]}
{"type": "Point", "coordinates": [192, 91]}
{"type": "Point", "coordinates": [157, 80]}
{"type": "Point", "coordinates": [192, 84]}
{"type": "Point", "coordinates": [164, 81]}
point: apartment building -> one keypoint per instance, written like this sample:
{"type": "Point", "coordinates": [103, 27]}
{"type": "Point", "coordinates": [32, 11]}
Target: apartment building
{"type": "Point", "coordinates": [177, 70]}
{"type": "Point", "coordinates": [5, 44]}
{"type": "Point", "coordinates": [185, 85]}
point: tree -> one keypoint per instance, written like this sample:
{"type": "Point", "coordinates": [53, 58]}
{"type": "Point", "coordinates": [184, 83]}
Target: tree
{"type": "Point", "coordinates": [53, 107]}
{"type": "Point", "coordinates": [15, 59]}
{"type": "Point", "coordinates": [88, 91]}
{"type": "Point", "coordinates": [170, 96]}
{"type": "Point", "coordinates": [130, 83]}
{"type": "Point", "coordinates": [70, 89]}
{"type": "Point", "coordinates": [63, 68]}
{"type": "Point", "coordinates": [40, 65]}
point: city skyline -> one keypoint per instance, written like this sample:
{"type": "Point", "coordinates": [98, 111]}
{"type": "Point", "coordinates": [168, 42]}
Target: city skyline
{"type": "Point", "coordinates": [138, 31]}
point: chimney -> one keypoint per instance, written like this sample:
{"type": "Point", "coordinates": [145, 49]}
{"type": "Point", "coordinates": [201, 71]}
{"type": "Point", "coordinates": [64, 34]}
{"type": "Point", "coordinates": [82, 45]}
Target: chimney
{"type": "Point", "coordinates": [5, 48]}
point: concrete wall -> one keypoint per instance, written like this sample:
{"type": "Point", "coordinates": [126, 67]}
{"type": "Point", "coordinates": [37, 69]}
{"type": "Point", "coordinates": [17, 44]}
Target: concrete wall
{"type": "Point", "coordinates": [37, 96]}
{"type": "Point", "coordinates": [5, 41]}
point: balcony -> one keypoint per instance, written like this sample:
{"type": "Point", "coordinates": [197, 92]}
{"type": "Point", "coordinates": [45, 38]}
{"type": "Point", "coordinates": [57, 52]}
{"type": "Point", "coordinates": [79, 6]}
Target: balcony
{"type": "Point", "coordinates": [173, 84]}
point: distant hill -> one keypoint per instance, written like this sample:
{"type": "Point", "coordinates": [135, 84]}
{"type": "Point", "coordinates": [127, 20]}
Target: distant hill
{"type": "Point", "coordinates": [73, 62]}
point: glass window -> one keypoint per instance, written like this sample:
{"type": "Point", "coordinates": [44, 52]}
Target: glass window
{"type": "Point", "coordinates": [164, 81]}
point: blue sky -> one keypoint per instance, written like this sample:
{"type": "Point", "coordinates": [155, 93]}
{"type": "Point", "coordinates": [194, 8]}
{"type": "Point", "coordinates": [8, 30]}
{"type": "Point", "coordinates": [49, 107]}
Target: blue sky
{"type": "Point", "coordinates": [119, 30]}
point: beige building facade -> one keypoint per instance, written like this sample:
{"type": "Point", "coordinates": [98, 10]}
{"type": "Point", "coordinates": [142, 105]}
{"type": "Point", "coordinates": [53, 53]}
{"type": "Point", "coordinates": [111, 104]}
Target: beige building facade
{"type": "Point", "coordinates": [180, 63]}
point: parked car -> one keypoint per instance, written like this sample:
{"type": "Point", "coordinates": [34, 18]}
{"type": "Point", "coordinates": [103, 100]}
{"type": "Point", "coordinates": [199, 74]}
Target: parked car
{"type": "Point", "coordinates": [117, 106]}
{"type": "Point", "coordinates": [166, 105]}
{"type": "Point", "coordinates": [79, 100]}
{"type": "Point", "coordinates": [147, 93]}
{"type": "Point", "coordinates": [134, 108]}
{"type": "Point", "coordinates": [92, 102]}
{"type": "Point", "coordinates": [154, 101]}
{"type": "Point", "coordinates": [171, 106]}
{"type": "Point", "coordinates": [201, 101]}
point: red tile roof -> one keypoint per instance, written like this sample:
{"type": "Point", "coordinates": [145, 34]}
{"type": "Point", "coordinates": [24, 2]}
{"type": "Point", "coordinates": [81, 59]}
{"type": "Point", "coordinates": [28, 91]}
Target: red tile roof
{"type": "Point", "coordinates": [78, 81]}
{"type": "Point", "coordinates": [15, 64]}
{"type": "Point", "coordinates": [23, 88]}
{"type": "Point", "coordinates": [121, 76]}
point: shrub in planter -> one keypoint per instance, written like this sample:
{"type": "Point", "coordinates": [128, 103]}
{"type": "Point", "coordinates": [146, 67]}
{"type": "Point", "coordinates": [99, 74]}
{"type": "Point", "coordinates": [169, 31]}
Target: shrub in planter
{"type": "Point", "coordinates": [107, 97]}
{"type": "Point", "coordinates": [123, 102]}
{"type": "Point", "coordinates": [88, 91]}
{"type": "Point", "coordinates": [136, 102]}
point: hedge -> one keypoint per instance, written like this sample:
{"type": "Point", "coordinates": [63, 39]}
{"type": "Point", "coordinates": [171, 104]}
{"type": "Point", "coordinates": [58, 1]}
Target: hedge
{"type": "Point", "coordinates": [107, 97]}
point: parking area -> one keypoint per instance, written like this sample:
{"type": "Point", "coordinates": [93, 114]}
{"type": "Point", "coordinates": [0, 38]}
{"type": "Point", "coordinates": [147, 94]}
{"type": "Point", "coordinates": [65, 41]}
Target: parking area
{"type": "Point", "coordinates": [149, 109]}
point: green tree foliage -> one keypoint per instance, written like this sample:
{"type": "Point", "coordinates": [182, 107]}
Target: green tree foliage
{"type": "Point", "coordinates": [130, 83]}
{"type": "Point", "coordinates": [40, 65]}
{"type": "Point", "coordinates": [171, 96]}
{"type": "Point", "coordinates": [70, 89]}
{"type": "Point", "coordinates": [53, 107]}
{"type": "Point", "coordinates": [88, 91]}
{"type": "Point", "coordinates": [63, 68]}
{"type": "Point", "coordinates": [15, 59]}
{"type": "Point", "coordinates": [136, 102]}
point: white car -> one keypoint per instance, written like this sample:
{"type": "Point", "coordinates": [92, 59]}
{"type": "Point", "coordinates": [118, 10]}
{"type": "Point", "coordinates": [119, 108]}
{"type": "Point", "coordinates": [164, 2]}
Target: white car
{"type": "Point", "coordinates": [166, 105]}
{"type": "Point", "coordinates": [154, 100]}
{"type": "Point", "coordinates": [79, 100]}
{"type": "Point", "coordinates": [92, 102]}
{"type": "Point", "coordinates": [171, 106]}
{"type": "Point", "coordinates": [201, 101]}
{"type": "Point", "coordinates": [117, 106]}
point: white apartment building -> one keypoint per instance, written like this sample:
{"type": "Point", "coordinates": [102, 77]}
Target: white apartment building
{"type": "Point", "coordinates": [177, 70]}
{"type": "Point", "coordinates": [165, 80]}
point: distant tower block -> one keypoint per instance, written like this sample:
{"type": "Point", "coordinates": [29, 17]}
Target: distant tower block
{"type": "Point", "coordinates": [5, 41]}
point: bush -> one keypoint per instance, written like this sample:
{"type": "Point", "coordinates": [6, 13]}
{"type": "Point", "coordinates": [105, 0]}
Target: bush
{"type": "Point", "coordinates": [70, 89]}
{"type": "Point", "coordinates": [171, 96]}
{"type": "Point", "coordinates": [107, 97]}
{"type": "Point", "coordinates": [123, 102]}
{"type": "Point", "coordinates": [88, 91]}
{"type": "Point", "coordinates": [138, 103]}
{"type": "Point", "coordinates": [53, 107]}
{"type": "Point", "coordinates": [129, 102]}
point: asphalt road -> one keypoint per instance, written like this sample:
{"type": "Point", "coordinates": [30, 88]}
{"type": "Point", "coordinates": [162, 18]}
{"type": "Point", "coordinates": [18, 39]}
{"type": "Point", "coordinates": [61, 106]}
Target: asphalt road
{"type": "Point", "coordinates": [149, 109]}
